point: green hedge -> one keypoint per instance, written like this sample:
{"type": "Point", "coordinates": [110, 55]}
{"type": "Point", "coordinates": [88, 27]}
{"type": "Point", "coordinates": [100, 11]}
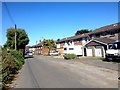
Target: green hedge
{"type": "Point", "coordinates": [69, 56]}
{"type": "Point", "coordinates": [12, 61]}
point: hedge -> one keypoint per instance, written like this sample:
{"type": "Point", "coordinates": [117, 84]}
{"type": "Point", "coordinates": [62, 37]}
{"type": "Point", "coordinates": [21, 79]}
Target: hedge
{"type": "Point", "coordinates": [69, 56]}
{"type": "Point", "coordinates": [12, 61]}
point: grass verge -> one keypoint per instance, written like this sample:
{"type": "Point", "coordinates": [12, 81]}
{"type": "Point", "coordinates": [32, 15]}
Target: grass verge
{"type": "Point", "coordinates": [91, 58]}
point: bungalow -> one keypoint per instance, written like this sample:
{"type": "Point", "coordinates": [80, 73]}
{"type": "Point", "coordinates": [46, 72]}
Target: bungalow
{"type": "Point", "coordinates": [82, 43]}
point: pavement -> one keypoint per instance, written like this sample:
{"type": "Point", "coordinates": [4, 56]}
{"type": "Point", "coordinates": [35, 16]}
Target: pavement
{"type": "Point", "coordinates": [47, 72]}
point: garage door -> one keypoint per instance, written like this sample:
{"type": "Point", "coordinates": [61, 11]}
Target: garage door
{"type": "Point", "coordinates": [98, 52]}
{"type": "Point", "coordinates": [89, 52]}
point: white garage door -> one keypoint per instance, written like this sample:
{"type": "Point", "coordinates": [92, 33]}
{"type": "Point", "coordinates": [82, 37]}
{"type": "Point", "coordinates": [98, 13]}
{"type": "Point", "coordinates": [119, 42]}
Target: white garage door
{"type": "Point", "coordinates": [98, 52]}
{"type": "Point", "coordinates": [89, 52]}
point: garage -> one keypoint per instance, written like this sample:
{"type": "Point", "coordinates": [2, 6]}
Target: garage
{"type": "Point", "coordinates": [98, 46]}
{"type": "Point", "coordinates": [89, 51]}
{"type": "Point", "coordinates": [98, 51]}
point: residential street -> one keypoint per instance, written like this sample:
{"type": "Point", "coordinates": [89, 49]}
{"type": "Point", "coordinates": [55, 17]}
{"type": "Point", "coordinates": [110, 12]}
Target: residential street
{"type": "Point", "coordinates": [47, 72]}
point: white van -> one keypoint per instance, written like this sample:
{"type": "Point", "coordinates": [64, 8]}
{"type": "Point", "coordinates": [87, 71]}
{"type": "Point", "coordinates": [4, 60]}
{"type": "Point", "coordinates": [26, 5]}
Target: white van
{"type": "Point", "coordinates": [114, 52]}
{"type": "Point", "coordinates": [77, 50]}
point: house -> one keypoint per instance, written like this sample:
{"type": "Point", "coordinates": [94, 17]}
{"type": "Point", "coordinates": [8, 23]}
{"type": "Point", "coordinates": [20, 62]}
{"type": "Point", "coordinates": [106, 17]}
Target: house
{"type": "Point", "coordinates": [110, 31]}
{"type": "Point", "coordinates": [30, 48]}
{"type": "Point", "coordinates": [39, 49]}
{"type": "Point", "coordinates": [69, 44]}
{"type": "Point", "coordinates": [97, 47]}
{"type": "Point", "coordinates": [27, 48]}
{"type": "Point", "coordinates": [33, 48]}
{"type": "Point", "coordinates": [72, 44]}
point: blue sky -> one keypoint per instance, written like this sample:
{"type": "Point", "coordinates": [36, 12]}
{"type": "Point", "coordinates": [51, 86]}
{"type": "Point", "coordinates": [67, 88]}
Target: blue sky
{"type": "Point", "coordinates": [52, 20]}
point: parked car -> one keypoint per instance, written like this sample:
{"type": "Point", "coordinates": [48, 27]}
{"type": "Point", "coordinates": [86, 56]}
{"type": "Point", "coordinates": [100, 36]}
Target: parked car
{"type": "Point", "coordinates": [29, 54]}
{"type": "Point", "coordinates": [54, 53]}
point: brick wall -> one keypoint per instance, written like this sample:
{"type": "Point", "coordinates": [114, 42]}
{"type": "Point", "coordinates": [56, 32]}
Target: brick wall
{"type": "Point", "coordinates": [45, 51]}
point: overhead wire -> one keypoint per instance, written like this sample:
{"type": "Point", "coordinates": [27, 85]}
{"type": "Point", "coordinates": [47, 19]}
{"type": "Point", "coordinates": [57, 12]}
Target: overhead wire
{"type": "Point", "coordinates": [12, 20]}
{"type": "Point", "coordinates": [8, 11]}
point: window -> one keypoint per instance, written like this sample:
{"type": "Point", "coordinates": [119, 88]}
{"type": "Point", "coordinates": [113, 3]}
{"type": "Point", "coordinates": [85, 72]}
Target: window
{"type": "Point", "coordinates": [98, 35]}
{"type": "Point", "coordinates": [110, 46]}
{"type": "Point", "coordinates": [86, 39]}
{"type": "Point", "coordinates": [71, 48]}
{"type": "Point", "coordinates": [116, 46]}
{"type": "Point", "coordinates": [112, 33]}
{"type": "Point", "coordinates": [65, 48]}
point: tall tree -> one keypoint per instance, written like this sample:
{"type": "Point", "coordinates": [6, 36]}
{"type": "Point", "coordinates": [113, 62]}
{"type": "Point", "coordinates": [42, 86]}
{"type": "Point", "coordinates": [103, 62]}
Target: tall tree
{"type": "Point", "coordinates": [50, 44]}
{"type": "Point", "coordinates": [82, 31]}
{"type": "Point", "coordinates": [21, 38]}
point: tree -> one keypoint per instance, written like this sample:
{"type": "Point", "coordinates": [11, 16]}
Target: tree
{"type": "Point", "coordinates": [58, 39]}
{"type": "Point", "coordinates": [50, 44]}
{"type": "Point", "coordinates": [82, 31]}
{"type": "Point", "coordinates": [21, 38]}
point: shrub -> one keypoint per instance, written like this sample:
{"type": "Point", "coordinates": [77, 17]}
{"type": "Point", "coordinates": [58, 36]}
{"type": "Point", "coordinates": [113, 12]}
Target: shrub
{"type": "Point", "coordinates": [12, 61]}
{"type": "Point", "coordinates": [69, 56]}
{"type": "Point", "coordinates": [17, 60]}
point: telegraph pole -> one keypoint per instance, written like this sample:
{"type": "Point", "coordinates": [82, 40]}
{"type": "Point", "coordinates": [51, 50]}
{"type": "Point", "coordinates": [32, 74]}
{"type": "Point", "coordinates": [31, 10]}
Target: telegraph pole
{"type": "Point", "coordinates": [15, 37]}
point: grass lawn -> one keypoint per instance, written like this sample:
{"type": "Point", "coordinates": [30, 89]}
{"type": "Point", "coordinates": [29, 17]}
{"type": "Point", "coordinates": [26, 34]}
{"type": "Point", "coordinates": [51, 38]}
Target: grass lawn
{"type": "Point", "coordinates": [81, 58]}
{"type": "Point", "coordinates": [91, 58]}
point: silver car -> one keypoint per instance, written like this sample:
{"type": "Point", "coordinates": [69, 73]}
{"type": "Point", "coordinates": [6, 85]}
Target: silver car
{"type": "Point", "coordinates": [29, 54]}
{"type": "Point", "coordinates": [54, 53]}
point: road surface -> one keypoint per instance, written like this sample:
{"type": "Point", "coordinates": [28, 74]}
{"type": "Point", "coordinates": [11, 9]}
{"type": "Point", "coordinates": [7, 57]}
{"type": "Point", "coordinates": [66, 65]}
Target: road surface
{"type": "Point", "coordinates": [46, 72]}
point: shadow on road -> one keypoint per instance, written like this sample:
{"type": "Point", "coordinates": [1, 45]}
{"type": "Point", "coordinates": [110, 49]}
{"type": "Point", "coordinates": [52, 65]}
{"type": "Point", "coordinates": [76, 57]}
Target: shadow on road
{"type": "Point", "coordinates": [28, 57]}
{"type": "Point", "coordinates": [116, 61]}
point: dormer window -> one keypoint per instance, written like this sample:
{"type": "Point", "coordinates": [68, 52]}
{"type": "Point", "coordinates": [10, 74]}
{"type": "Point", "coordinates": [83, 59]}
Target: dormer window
{"type": "Point", "coordinates": [85, 39]}
{"type": "Point", "coordinates": [71, 42]}
{"type": "Point", "coordinates": [115, 25]}
{"type": "Point", "coordinates": [112, 33]}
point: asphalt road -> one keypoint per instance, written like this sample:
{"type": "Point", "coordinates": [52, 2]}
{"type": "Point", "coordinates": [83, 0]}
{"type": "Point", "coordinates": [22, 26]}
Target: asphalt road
{"type": "Point", "coordinates": [101, 63]}
{"type": "Point", "coordinates": [46, 72]}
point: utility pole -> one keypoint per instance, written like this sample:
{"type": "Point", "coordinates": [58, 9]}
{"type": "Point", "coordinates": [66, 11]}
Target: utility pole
{"type": "Point", "coordinates": [15, 37]}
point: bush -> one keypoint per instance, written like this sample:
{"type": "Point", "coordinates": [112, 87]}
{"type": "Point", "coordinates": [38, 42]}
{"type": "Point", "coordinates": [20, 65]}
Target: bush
{"type": "Point", "coordinates": [12, 61]}
{"type": "Point", "coordinates": [18, 56]}
{"type": "Point", "coordinates": [69, 56]}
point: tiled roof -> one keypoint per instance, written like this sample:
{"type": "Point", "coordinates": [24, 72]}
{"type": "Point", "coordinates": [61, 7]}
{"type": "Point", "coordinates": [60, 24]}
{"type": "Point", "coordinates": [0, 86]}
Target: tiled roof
{"type": "Point", "coordinates": [74, 37]}
{"type": "Point", "coordinates": [105, 40]}
{"type": "Point", "coordinates": [99, 41]}
{"type": "Point", "coordinates": [93, 43]}
{"type": "Point", "coordinates": [40, 44]}
{"type": "Point", "coordinates": [115, 26]}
